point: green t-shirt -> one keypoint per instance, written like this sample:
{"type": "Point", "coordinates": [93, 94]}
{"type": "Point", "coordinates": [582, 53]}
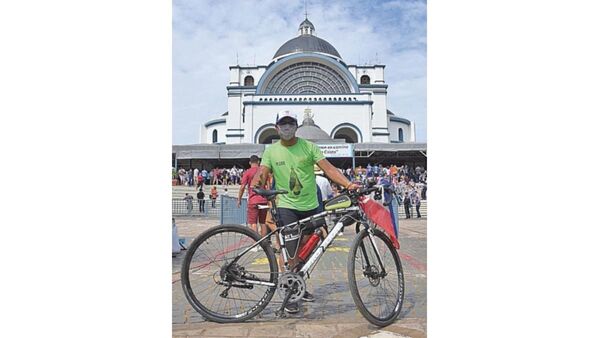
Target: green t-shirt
{"type": "Point", "coordinates": [293, 170]}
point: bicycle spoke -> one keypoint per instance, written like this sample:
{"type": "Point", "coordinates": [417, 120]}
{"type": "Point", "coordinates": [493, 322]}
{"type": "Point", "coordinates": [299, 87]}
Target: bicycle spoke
{"type": "Point", "coordinates": [379, 294]}
{"type": "Point", "coordinates": [215, 269]}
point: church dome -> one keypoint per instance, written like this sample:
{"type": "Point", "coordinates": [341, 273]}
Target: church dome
{"type": "Point", "coordinates": [306, 42]}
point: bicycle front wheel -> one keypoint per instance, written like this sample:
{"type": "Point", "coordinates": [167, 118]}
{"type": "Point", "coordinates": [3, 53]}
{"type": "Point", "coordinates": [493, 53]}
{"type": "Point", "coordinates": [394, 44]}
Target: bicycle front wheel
{"type": "Point", "coordinates": [376, 285]}
{"type": "Point", "coordinates": [220, 282]}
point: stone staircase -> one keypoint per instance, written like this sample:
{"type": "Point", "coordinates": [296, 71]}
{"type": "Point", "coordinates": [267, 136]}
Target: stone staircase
{"type": "Point", "coordinates": [422, 210]}
{"type": "Point", "coordinates": [179, 190]}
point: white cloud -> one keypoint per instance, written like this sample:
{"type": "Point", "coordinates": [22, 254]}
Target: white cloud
{"type": "Point", "coordinates": [208, 34]}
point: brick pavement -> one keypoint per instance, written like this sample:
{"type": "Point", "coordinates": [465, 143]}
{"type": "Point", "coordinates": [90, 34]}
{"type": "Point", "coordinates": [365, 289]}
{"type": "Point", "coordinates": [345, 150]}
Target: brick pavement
{"type": "Point", "coordinates": [333, 314]}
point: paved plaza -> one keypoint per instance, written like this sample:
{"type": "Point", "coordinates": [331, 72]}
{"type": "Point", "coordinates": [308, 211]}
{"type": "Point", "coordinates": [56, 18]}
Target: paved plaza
{"type": "Point", "coordinates": [333, 314]}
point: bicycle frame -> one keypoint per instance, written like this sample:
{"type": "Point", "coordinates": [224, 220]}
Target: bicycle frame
{"type": "Point", "coordinates": [318, 252]}
{"type": "Point", "coordinates": [335, 230]}
{"type": "Point", "coordinates": [290, 281]}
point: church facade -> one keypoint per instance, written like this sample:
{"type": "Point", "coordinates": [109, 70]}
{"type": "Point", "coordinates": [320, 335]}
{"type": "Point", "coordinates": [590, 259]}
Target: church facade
{"type": "Point", "coordinates": [348, 102]}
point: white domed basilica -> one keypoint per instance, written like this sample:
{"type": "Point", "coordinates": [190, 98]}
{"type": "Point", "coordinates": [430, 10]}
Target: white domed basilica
{"type": "Point", "coordinates": [347, 102]}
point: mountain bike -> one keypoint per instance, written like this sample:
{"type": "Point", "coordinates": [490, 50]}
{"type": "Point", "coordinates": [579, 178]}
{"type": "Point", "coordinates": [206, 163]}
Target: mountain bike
{"type": "Point", "coordinates": [230, 273]}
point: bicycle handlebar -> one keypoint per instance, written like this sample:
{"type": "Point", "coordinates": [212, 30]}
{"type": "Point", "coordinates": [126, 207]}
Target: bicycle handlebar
{"type": "Point", "coordinates": [366, 191]}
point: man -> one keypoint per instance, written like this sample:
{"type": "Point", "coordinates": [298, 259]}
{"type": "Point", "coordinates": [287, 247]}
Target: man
{"type": "Point", "coordinates": [291, 162]}
{"type": "Point", "coordinates": [255, 216]}
{"type": "Point", "coordinates": [200, 196]}
{"type": "Point", "coordinates": [199, 181]}
{"type": "Point", "coordinates": [406, 202]}
{"type": "Point", "coordinates": [188, 200]}
{"type": "Point", "coordinates": [181, 173]}
{"type": "Point", "coordinates": [234, 175]}
{"type": "Point", "coordinates": [416, 201]}
{"type": "Point", "coordinates": [215, 176]}
{"type": "Point", "coordinates": [196, 172]}
{"type": "Point", "coordinates": [204, 175]}
{"type": "Point", "coordinates": [213, 195]}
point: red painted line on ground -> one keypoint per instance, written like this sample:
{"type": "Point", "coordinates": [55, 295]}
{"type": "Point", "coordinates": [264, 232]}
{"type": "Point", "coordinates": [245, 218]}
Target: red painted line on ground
{"type": "Point", "coordinates": [415, 263]}
{"type": "Point", "coordinates": [177, 275]}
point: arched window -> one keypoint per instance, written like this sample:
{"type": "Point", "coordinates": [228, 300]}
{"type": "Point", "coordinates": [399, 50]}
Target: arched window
{"type": "Point", "coordinates": [248, 81]}
{"type": "Point", "coordinates": [307, 78]}
{"type": "Point", "coordinates": [214, 136]}
{"type": "Point", "coordinates": [400, 135]}
{"type": "Point", "coordinates": [365, 79]}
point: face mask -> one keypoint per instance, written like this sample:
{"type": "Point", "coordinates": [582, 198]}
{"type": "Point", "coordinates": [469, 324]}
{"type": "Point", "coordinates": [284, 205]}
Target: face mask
{"type": "Point", "coordinates": [287, 131]}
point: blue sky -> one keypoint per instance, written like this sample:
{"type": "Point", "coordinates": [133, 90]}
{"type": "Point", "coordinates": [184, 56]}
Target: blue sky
{"type": "Point", "coordinates": [207, 35]}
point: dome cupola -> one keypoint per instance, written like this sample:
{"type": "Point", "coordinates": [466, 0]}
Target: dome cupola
{"type": "Point", "coordinates": [306, 28]}
{"type": "Point", "coordinates": [306, 41]}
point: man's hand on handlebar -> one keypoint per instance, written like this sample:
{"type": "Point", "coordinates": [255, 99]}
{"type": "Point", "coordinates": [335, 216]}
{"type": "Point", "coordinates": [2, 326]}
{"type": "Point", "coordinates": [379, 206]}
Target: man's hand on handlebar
{"type": "Point", "coordinates": [352, 187]}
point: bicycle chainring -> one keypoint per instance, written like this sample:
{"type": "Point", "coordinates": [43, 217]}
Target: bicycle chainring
{"type": "Point", "coordinates": [295, 283]}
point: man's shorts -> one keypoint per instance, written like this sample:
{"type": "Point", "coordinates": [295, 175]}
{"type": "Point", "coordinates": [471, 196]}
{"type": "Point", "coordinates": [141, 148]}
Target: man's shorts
{"type": "Point", "coordinates": [288, 216]}
{"type": "Point", "coordinates": [255, 214]}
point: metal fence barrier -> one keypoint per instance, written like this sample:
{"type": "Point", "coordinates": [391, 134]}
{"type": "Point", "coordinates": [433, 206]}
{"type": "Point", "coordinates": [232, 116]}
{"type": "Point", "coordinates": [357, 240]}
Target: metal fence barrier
{"type": "Point", "coordinates": [228, 213]}
{"type": "Point", "coordinates": [179, 207]}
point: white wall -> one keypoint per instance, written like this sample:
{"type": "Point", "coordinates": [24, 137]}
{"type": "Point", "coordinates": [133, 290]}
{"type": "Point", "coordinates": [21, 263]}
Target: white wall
{"type": "Point", "coordinates": [237, 74]}
{"type": "Point", "coordinates": [325, 116]}
{"type": "Point", "coordinates": [220, 128]}
{"type": "Point", "coordinates": [406, 129]}
{"type": "Point", "coordinates": [375, 73]}
{"type": "Point", "coordinates": [368, 118]}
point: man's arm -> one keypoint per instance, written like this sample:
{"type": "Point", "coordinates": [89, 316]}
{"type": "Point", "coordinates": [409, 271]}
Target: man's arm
{"type": "Point", "coordinates": [261, 176]}
{"type": "Point", "coordinates": [335, 174]}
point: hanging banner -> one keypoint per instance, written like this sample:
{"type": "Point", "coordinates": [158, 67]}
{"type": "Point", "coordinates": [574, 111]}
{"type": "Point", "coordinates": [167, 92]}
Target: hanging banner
{"type": "Point", "coordinates": [337, 150]}
{"type": "Point", "coordinates": [333, 150]}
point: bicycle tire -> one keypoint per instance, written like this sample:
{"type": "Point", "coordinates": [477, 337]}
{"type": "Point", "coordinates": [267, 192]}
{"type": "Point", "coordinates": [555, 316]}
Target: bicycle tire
{"type": "Point", "coordinates": [377, 320]}
{"type": "Point", "coordinates": [191, 295]}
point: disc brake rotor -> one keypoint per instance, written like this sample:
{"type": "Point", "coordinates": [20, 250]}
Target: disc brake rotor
{"type": "Point", "coordinates": [373, 275]}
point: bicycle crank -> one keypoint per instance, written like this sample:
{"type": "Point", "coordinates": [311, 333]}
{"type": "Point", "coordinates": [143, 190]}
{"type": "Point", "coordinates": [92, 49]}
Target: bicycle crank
{"type": "Point", "coordinates": [292, 283]}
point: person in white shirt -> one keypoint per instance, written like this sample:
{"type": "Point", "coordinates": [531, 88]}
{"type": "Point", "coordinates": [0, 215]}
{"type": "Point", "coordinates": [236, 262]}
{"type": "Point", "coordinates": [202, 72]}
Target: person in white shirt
{"type": "Point", "coordinates": [195, 178]}
{"type": "Point", "coordinates": [325, 187]}
{"type": "Point", "coordinates": [323, 183]}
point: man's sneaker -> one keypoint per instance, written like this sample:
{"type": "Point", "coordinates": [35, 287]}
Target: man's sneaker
{"type": "Point", "coordinates": [292, 308]}
{"type": "Point", "coordinates": [308, 297]}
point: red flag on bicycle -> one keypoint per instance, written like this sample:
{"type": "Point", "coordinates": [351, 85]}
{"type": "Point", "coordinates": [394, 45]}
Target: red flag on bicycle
{"type": "Point", "coordinates": [381, 216]}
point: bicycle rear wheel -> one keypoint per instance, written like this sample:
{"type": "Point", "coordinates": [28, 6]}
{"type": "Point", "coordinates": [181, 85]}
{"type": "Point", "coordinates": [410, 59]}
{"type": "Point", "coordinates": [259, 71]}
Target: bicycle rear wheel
{"type": "Point", "coordinates": [378, 295]}
{"type": "Point", "coordinates": [211, 279]}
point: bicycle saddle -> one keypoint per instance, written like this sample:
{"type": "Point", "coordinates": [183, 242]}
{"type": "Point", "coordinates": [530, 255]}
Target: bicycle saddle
{"type": "Point", "coordinates": [269, 193]}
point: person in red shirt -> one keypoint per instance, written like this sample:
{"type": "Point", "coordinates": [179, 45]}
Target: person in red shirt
{"type": "Point", "coordinates": [255, 216]}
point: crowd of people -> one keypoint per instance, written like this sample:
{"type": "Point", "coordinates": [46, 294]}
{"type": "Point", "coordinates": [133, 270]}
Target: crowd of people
{"type": "Point", "coordinates": [410, 183]}
{"type": "Point", "coordinates": [217, 176]}
{"type": "Point", "coordinates": [396, 175]}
